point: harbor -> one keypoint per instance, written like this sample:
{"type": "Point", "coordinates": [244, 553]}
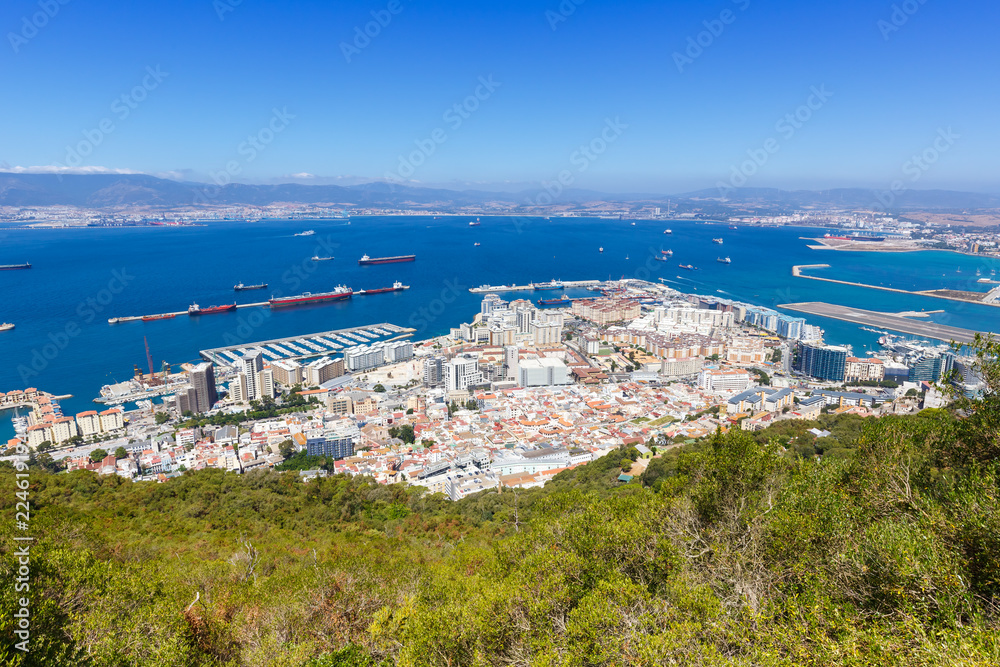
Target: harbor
{"type": "Point", "coordinates": [295, 348]}
{"type": "Point", "coordinates": [890, 321]}
{"type": "Point", "coordinates": [565, 284]}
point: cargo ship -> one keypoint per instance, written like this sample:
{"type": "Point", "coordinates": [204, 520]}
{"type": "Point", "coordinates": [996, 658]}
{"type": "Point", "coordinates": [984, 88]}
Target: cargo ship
{"type": "Point", "coordinates": [688, 267]}
{"type": "Point", "coordinates": [195, 309]}
{"type": "Point", "coordinates": [6, 326]}
{"type": "Point", "coordinates": [724, 260]}
{"type": "Point", "coordinates": [475, 223]}
{"type": "Point", "coordinates": [396, 287]}
{"type": "Point", "coordinates": [548, 303]}
{"type": "Point", "coordinates": [15, 267]}
{"type": "Point", "coordinates": [340, 293]}
{"type": "Point", "coordinates": [153, 318]}
{"type": "Point", "coordinates": [367, 261]}
{"type": "Point", "coordinates": [317, 258]}
{"type": "Point", "coordinates": [551, 285]}
{"type": "Point", "coordinates": [244, 288]}
{"type": "Point", "coordinates": [666, 253]}
{"type": "Point", "coordinates": [660, 258]}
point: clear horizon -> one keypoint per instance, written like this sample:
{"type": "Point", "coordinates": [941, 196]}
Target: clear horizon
{"type": "Point", "coordinates": [639, 97]}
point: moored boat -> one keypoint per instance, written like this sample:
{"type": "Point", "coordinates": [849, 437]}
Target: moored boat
{"type": "Point", "coordinates": [340, 293]}
{"type": "Point", "coordinates": [195, 309]}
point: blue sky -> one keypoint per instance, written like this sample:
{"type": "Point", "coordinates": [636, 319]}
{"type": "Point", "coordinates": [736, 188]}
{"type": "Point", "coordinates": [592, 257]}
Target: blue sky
{"type": "Point", "coordinates": [563, 70]}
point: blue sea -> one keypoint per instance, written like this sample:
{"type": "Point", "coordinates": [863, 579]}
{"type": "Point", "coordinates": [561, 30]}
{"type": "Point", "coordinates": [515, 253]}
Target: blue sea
{"type": "Point", "coordinates": [81, 277]}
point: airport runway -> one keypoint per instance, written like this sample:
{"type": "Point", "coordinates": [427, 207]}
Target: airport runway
{"type": "Point", "coordinates": [888, 321]}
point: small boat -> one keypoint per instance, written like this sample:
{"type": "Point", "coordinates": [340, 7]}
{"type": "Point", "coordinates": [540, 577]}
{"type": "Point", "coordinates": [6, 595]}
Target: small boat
{"type": "Point", "coordinates": [633, 224]}
{"type": "Point", "coordinates": [719, 241]}
{"type": "Point", "coordinates": [308, 232]}
{"type": "Point", "coordinates": [6, 326]}
{"type": "Point", "coordinates": [724, 260]}
{"type": "Point", "coordinates": [668, 231]}
{"type": "Point", "coordinates": [626, 257]}
{"type": "Point", "coordinates": [317, 258]}
{"type": "Point", "coordinates": [601, 249]}
{"type": "Point", "coordinates": [243, 288]}
{"type": "Point", "coordinates": [476, 244]}
{"type": "Point", "coordinates": [475, 223]}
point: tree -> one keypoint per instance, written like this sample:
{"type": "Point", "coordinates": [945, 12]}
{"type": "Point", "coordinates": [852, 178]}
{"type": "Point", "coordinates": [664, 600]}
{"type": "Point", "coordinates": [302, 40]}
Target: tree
{"type": "Point", "coordinates": [379, 389]}
{"type": "Point", "coordinates": [409, 411]}
{"type": "Point", "coordinates": [911, 393]}
{"type": "Point", "coordinates": [286, 449]}
{"type": "Point", "coordinates": [98, 455]}
{"type": "Point", "coordinates": [120, 453]}
{"type": "Point", "coordinates": [162, 418]}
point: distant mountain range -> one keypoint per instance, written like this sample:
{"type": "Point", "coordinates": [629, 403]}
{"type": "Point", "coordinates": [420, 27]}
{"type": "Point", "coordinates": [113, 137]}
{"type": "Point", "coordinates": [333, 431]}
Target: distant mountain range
{"type": "Point", "coordinates": [105, 191]}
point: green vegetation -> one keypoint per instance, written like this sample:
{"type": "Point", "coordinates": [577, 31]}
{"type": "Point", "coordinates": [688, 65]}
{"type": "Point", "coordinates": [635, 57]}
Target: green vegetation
{"type": "Point", "coordinates": [404, 433]}
{"type": "Point", "coordinates": [161, 418]}
{"type": "Point", "coordinates": [742, 549]}
{"type": "Point", "coordinates": [98, 455]}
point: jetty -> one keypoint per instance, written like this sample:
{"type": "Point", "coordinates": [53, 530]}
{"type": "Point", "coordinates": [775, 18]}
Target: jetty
{"type": "Point", "coordinates": [991, 298]}
{"type": "Point", "coordinates": [567, 284]}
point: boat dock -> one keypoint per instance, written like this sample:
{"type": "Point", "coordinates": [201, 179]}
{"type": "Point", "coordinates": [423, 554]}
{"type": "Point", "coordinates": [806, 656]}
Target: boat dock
{"type": "Point", "coordinates": [306, 346]}
{"type": "Point", "coordinates": [889, 321]}
{"type": "Point", "coordinates": [567, 284]}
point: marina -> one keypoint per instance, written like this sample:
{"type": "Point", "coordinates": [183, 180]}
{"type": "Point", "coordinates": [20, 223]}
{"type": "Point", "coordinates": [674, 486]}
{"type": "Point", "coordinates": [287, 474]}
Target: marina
{"type": "Point", "coordinates": [294, 348]}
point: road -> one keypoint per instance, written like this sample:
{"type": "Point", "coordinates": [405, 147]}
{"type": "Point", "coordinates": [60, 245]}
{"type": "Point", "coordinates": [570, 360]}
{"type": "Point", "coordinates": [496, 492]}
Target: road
{"type": "Point", "coordinates": [883, 321]}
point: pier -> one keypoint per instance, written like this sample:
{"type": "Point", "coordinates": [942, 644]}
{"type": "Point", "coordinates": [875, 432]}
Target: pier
{"type": "Point", "coordinates": [983, 299]}
{"type": "Point", "coordinates": [567, 284]}
{"type": "Point", "coordinates": [261, 304]}
{"type": "Point", "coordinates": [295, 348]}
{"type": "Point", "coordinates": [889, 321]}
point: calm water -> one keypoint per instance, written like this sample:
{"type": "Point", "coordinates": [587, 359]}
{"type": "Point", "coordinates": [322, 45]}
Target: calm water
{"type": "Point", "coordinates": [80, 278]}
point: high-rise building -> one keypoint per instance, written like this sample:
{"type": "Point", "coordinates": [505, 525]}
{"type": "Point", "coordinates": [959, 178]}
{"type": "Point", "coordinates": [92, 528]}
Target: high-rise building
{"type": "Point", "coordinates": [287, 373]}
{"type": "Point", "coordinates": [462, 373]}
{"type": "Point", "coordinates": [931, 367]}
{"type": "Point", "coordinates": [434, 372]}
{"type": "Point", "coordinates": [545, 372]}
{"type": "Point", "coordinates": [824, 362]}
{"type": "Point", "coordinates": [203, 383]}
{"type": "Point", "coordinates": [238, 388]}
{"type": "Point", "coordinates": [252, 364]}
